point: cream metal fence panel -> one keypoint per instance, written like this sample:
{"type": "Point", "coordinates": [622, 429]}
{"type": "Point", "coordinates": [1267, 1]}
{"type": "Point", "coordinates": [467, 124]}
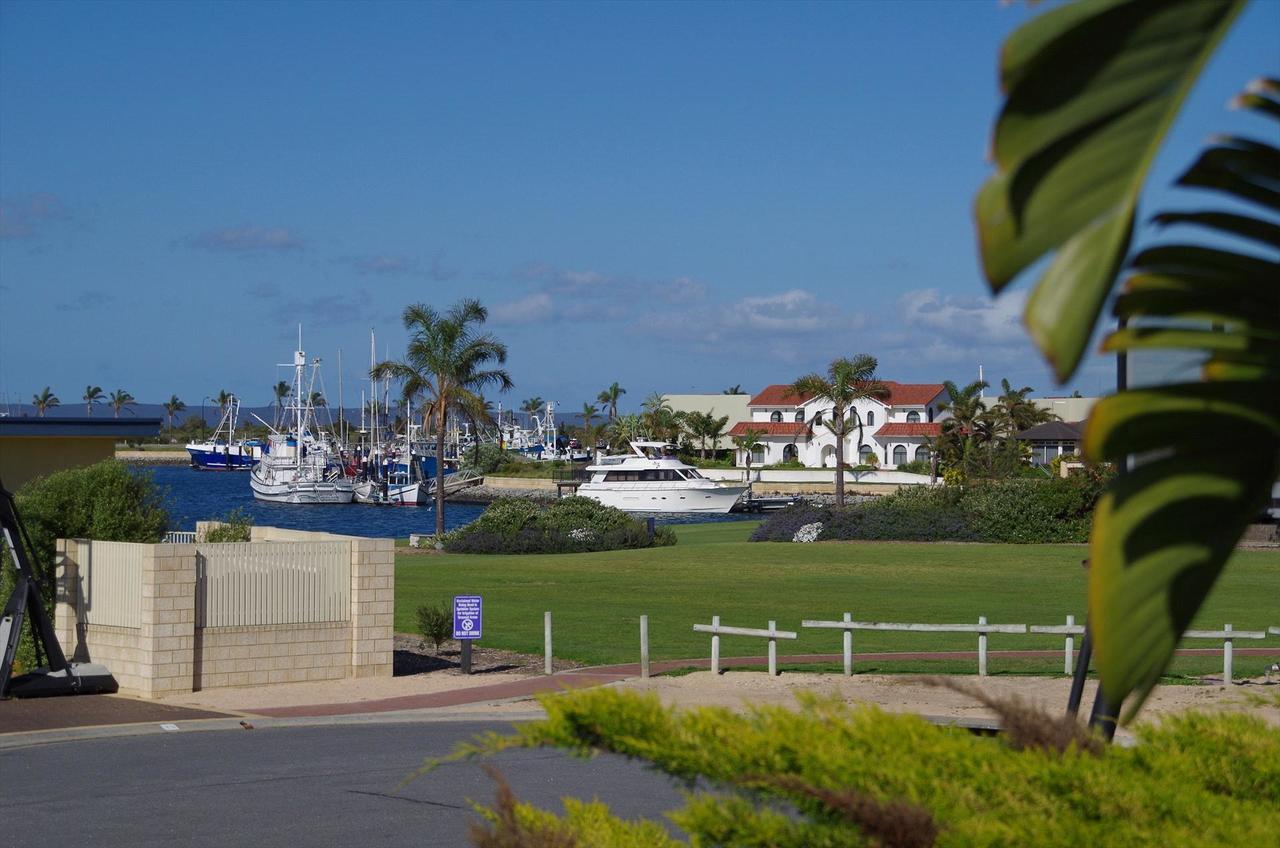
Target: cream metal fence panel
{"type": "Point", "coordinates": [111, 583]}
{"type": "Point", "coordinates": [262, 583]}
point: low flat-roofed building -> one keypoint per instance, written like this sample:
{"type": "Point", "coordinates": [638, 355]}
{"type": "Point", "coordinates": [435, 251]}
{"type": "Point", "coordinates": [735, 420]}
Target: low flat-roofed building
{"type": "Point", "coordinates": [34, 447]}
{"type": "Point", "coordinates": [734, 406]}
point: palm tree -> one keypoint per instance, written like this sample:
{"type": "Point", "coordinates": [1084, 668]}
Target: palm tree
{"type": "Point", "coordinates": [281, 390]}
{"type": "Point", "coordinates": [1019, 410]}
{"type": "Point", "coordinates": [625, 429]}
{"type": "Point", "coordinates": [317, 400]}
{"type": "Point", "coordinates": [965, 405]}
{"type": "Point", "coordinates": [172, 407]}
{"type": "Point", "coordinates": [747, 443]}
{"type": "Point", "coordinates": [92, 395]}
{"type": "Point", "coordinates": [446, 364]}
{"type": "Point", "coordinates": [589, 411]}
{"type": "Point", "coordinates": [660, 419]}
{"type": "Point", "coordinates": [224, 400]}
{"type": "Point", "coordinates": [118, 400]}
{"type": "Point", "coordinates": [531, 407]}
{"type": "Point", "coordinates": [847, 381]}
{"type": "Point", "coordinates": [703, 426]}
{"type": "Point", "coordinates": [45, 400]}
{"type": "Point", "coordinates": [734, 390]}
{"type": "Point", "coordinates": [608, 399]}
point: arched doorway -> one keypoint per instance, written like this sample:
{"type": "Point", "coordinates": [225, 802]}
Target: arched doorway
{"type": "Point", "coordinates": [829, 456]}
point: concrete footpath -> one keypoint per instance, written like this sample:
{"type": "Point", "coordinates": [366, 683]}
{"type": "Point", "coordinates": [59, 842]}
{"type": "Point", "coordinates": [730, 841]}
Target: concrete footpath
{"type": "Point", "coordinates": [27, 722]}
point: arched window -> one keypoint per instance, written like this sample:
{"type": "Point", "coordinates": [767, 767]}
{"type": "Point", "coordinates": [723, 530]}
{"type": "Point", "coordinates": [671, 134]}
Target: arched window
{"type": "Point", "coordinates": [931, 415]}
{"type": "Point", "coordinates": [757, 454]}
{"type": "Point", "coordinates": [790, 453]}
{"type": "Point", "coordinates": [799, 416]}
{"type": "Point", "coordinates": [866, 454]}
{"type": "Point", "coordinates": [900, 455]}
{"type": "Point", "coordinates": [817, 419]}
{"type": "Point", "coordinates": [922, 454]}
{"type": "Point", "coordinates": [871, 418]}
{"type": "Point", "coordinates": [776, 417]}
{"type": "Point", "coordinates": [913, 417]}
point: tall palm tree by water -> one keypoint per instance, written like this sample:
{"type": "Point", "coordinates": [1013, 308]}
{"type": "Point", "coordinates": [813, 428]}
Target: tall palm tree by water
{"type": "Point", "coordinates": [92, 395]}
{"type": "Point", "coordinates": [608, 399]}
{"type": "Point", "coordinates": [589, 412]}
{"type": "Point", "coordinates": [224, 400]}
{"type": "Point", "coordinates": [45, 400]}
{"type": "Point", "coordinates": [172, 407]}
{"type": "Point", "coordinates": [281, 390]}
{"type": "Point", "coordinates": [846, 381]}
{"type": "Point", "coordinates": [119, 400]}
{"type": "Point", "coordinates": [531, 407]}
{"type": "Point", "coordinates": [448, 365]}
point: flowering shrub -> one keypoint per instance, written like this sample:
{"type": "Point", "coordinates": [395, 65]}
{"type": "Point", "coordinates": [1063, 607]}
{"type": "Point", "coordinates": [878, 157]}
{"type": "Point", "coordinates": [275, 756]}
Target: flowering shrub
{"type": "Point", "coordinates": [808, 533]}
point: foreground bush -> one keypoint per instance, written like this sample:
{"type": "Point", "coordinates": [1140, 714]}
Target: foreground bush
{"type": "Point", "coordinates": [1011, 511]}
{"type": "Point", "coordinates": [835, 775]}
{"type": "Point", "coordinates": [106, 501]}
{"type": "Point", "coordinates": [567, 525]}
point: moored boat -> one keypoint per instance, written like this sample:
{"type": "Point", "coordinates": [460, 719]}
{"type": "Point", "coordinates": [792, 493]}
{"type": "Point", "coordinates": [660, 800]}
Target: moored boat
{"type": "Point", "coordinates": [302, 466]}
{"type": "Point", "coordinates": [222, 451]}
{"type": "Point", "coordinates": [653, 479]}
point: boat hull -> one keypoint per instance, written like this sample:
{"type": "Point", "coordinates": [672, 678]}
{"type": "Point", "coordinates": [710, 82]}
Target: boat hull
{"type": "Point", "coordinates": [224, 457]}
{"type": "Point", "coordinates": [717, 500]}
{"type": "Point", "coordinates": [396, 494]}
{"type": "Point", "coordinates": [303, 491]}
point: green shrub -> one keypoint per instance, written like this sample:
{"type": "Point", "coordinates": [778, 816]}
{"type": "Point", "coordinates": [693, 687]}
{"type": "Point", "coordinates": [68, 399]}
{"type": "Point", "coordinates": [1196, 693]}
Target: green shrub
{"type": "Point", "coordinates": [567, 525]}
{"type": "Point", "coordinates": [832, 774]}
{"type": "Point", "coordinates": [106, 501]}
{"type": "Point", "coordinates": [1044, 510]}
{"type": "Point", "coordinates": [235, 526]}
{"type": "Point", "coordinates": [917, 466]}
{"type": "Point", "coordinates": [435, 623]}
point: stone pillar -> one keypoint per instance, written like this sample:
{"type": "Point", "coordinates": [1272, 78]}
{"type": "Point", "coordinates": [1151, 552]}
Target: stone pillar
{"type": "Point", "coordinates": [373, 563]}
{"type": "Point", "coordinates": [66, 593]}
{"type": "Point", "coordinates": [167, 632]}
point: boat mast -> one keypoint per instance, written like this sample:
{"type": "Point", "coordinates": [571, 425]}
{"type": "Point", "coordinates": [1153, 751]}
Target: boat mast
{"type": "Point", "coordinates": [342, 419]}
{"type": "Point", "coordinates": [299, 362]}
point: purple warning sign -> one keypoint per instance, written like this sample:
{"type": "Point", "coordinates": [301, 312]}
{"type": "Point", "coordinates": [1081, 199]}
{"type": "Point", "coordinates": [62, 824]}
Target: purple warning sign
{"type": "Point", "coordinates": [466, 616]}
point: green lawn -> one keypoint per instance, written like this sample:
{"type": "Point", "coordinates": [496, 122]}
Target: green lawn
{"type": "Point", "coordinates": [596, 600]}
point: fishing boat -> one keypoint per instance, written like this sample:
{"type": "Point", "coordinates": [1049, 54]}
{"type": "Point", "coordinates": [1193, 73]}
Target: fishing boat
{"type": "Point", "coordinates": [222, 451]}
{"type": "Point", "coordinates": [303, 466]}
{"type": "Point", "coordinates": [652, 479]}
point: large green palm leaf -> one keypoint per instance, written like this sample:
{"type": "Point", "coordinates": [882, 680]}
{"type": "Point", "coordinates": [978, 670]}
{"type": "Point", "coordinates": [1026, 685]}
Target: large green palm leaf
{"type": "Point", "coordinates": [1163, 533]}
{"type": "Point", "coordinates": [1091, 89]}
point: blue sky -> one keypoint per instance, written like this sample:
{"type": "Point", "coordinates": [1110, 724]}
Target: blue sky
{"type": "Point", "coordinates": [679, 197]}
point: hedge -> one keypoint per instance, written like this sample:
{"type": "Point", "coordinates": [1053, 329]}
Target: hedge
{"type": "Point", "coordinates": [1011, 511]}
{"type": "Point", "coordinates": [568, 525]}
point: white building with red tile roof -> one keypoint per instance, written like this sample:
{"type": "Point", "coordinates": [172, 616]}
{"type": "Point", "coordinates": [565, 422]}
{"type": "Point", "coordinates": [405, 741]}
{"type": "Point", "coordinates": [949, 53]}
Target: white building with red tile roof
{"type": "Point", "coordinates": [895, 429]}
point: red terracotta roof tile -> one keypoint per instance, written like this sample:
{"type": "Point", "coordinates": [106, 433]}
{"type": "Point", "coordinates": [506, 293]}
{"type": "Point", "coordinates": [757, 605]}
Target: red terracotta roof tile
{"type": "Point", "coordinates": [769, 428]}
{"type": "Point", "coordinates": [901, 428]}
{"type": "Point", "coordinates": [777, 395]}
{"type": "Point", "coordinates": [912, 394]}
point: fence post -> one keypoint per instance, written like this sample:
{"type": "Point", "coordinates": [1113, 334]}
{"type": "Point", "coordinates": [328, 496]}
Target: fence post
{"type": "Point", "coordinates": [715, 646]}
{"type": "Point", "coordinates": [773, 650]}
{"type": "Point", "coordinates": [982, 649]}
{"type": "Point", "coordinates": [644, 647]}
{"type": "Point", "coordinates": [848, 647]}
{"type": "Point", "coordinates": [1071, 644]}
{"type": "Point", "coordinates": [1227, 658]}
{"type": "Point", "coordinates": [546, 638]}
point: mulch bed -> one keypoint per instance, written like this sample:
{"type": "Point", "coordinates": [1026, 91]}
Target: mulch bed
{"type": "Point", "coordinates": [411, 656]}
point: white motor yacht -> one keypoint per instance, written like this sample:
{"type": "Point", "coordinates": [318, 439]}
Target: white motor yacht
{"type": "Point", "coordinates": [653, 479]}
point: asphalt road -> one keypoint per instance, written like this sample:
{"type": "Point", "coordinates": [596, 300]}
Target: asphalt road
{"type": "Point", "coordinates": [334, 785]}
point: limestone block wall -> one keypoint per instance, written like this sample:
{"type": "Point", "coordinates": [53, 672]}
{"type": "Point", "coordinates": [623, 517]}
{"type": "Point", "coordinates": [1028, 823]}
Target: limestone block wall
{"type": "Point", "coordinates": [281, 653]}
{"type": "Point", "coordinates": [167, 654]}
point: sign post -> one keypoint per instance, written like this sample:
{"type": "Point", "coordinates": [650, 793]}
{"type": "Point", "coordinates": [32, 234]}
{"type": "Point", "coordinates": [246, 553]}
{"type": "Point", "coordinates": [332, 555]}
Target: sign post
{"type": "Point", "coordinates": [467, 618]}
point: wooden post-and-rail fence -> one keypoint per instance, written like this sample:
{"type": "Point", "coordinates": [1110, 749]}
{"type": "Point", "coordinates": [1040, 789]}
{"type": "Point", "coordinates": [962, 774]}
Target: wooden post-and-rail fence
{"type": "Point", "coordinates": [982, 628]}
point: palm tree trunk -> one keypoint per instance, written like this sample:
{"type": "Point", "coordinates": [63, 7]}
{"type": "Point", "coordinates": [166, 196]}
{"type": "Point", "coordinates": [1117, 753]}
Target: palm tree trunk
{"type": "Point", "coordinates": [838, 414]}
{"type": "Point", "coordinates": [440, 471]}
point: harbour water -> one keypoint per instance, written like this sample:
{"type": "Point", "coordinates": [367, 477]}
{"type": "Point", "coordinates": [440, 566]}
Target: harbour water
{"type": "Point", "coordinates": [192, 496]}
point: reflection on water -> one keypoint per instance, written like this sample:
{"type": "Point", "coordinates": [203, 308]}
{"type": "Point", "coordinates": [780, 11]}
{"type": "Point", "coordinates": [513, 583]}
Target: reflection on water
{"type": "Point", "coordinates": [193, 496]}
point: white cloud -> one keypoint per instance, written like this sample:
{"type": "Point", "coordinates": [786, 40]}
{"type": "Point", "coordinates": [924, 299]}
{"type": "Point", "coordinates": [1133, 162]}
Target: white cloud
{"type": "Point", "coordinates": [965, 320]}
{"type": "Point", "coordinates": [247, 240]}
{"type": "Point", "coordinates": [23, 217]}
{"type": "Point", "coordinates": [534, 308]}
